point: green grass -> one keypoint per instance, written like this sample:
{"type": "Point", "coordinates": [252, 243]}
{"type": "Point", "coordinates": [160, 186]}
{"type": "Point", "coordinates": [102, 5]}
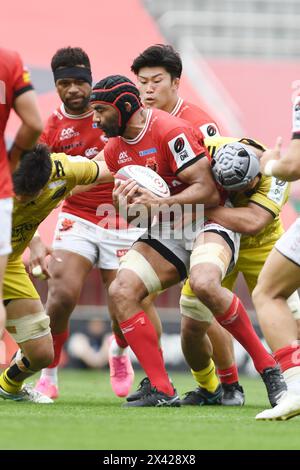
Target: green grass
{"type": "Point", "coordinates": [88, 416]}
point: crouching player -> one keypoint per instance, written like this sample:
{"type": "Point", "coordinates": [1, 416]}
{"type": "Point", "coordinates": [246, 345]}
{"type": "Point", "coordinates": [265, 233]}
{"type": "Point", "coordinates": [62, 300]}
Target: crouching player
{"type": "Point", "coordinates": [40, 183]}
{"type": "Point", "coordinates": [257, 202]}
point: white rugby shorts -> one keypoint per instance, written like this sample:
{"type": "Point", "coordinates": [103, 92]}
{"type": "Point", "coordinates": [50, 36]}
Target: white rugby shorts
{"type": "Point", "coordinates": [176, 246]}
{"type": "Point", "coordinates": [289, 244]}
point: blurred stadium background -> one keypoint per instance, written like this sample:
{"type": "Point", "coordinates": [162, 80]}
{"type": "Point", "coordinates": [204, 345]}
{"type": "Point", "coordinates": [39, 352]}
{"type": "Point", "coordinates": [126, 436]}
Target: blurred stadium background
{"type": "Point", "coordinates": [240, 63]}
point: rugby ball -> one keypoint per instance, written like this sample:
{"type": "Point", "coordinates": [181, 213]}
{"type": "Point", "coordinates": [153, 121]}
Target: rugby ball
{"type": "Point", "coordinates": [145, 177]}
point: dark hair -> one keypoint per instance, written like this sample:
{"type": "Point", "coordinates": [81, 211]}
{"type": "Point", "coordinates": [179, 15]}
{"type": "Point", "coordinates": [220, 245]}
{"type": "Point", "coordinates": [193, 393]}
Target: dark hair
{"type": "Point", "coordinates": [33, 172]}
{"type": "Point", "coordinates": [159, 55]}
{"type": "Point", "coordinates": [70, 57]}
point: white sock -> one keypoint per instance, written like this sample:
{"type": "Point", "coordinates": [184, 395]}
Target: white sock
{"type": "Point", "coordinates": [116, 350]}
{"type": "Point", "coordinates": [292, 379]}
{"type": "Point", "coordinates": [51, 374]}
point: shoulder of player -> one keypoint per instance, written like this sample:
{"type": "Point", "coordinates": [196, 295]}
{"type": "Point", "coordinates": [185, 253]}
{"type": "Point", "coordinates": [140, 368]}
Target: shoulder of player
{"type": "Point", "coordinates": [64, 157]}
{"type": "Point", "coordinates": [112, 143]}
{"type": "Point", "coordinates": [61, 163]}
{"type": "Point", "coordinates": [11, 57]}
{"type": "Point", "coordinates": [56, 122]}
{"type": "Point", "coordinates": [164, 123]}
{"type": "Point", "coordinates": [264, 184]}
{"type": "Point", "coordinates": [65, 166]}
{"type": "Point", "coordinates": [11, 66]}
{"type": "Point", "coordinates": [193, 112]}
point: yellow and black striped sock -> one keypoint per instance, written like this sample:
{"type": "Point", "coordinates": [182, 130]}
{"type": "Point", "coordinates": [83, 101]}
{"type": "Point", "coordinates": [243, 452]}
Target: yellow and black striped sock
{"type": "Point", "coordinates": [9, 385]}
{"type": "Point", "coordinates": [207, 378]}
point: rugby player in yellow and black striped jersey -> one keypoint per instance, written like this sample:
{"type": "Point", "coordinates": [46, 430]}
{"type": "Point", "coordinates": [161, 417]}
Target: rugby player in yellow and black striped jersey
{"type": "Point", "coordinates": [256, 216]}
{"type": "Point", "coordinates": [40, 183]}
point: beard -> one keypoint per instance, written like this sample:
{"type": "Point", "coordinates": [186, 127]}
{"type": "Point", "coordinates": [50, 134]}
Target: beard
{"type": "Point", "coordinates": [111, 129]}
{"type": "Point", "coordinates": [81, 106]}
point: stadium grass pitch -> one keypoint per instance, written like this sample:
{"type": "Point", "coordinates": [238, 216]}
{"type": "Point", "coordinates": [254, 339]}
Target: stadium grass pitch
{"type": "Point", "coordinates": [88, 416]}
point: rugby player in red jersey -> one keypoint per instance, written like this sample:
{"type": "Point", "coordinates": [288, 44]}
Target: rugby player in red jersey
{"type": "Point", "coordinates": [162, 256]}
{"type": "Point", "coordinates": [16, 92]}
{"type": "Point", "coordinates": [158, 70]}
{"type": "Point", "coordinates": [84, 237]}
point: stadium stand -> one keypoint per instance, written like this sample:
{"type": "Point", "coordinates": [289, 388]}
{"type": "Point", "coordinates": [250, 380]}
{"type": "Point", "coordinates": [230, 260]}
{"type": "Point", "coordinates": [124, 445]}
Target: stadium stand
{"type": "Point", "coordinates": [260, 28]}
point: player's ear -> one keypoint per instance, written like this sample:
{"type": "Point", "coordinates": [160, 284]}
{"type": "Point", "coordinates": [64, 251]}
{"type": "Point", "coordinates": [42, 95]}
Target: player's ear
{"type": "Point", "coordinates": [128, 106]}
{"type": "Point", "coordinates": [176, 82]}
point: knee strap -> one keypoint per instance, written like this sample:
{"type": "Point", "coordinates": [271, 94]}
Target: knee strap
{"type": "Point", "coordinates": [210, 253]}
{"type": "Point", "coordinates": [29, 327]}
{"type": "Point", "coordinates": [193, 308]}
{"type": "Point", "coordinates": [137, 263]}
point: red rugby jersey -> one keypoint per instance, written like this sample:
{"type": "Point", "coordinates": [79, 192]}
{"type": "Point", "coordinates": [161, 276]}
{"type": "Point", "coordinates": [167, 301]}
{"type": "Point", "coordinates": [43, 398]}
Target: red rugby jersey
{"type": "Point", "coordinates": [166, 144]}
{"type": "Point", "coordinates": [196, 116]}
{"type": "Point", "coordinates": [200, 120]}
{"type": "Point", "coordinates": [14, 80]}
{"type": "Point", "coordinates": [75, 135]}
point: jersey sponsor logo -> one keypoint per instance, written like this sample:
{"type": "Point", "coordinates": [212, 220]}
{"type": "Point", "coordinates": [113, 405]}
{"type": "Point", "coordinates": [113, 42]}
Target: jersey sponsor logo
{"type": "Point", "coordinates": [181, 149]}
{"type": "Point", "coordinates": [2, 92]}
{"type": "Point", "coordinates": [152, 163]}
{"type": "Point", "coordinates": [124, 158]}
{"type": "Point", "coordinates": [68, 133]}
{"type": "Point", "coordinates": [277, 191]}
{"type": "Point", "coordinates": [131, 327]}
{"type": "Point", "coordinates": [26, 76]}
{"type": "Point", "coordinates": [280, 182]}
{"type": "Point", "coordinates": [122, 252]}
{"type": "Point", "coordinates": [179, 145]}
{"type": "Point", "coordinates": [66, 148]}
{"type": "Point", "coordinates": [209, 130]}
{"type": "Point", "coordinates": [91, 152]}
{"type": "Point", "coordinates": [143, 153]}
{"type": "Point", "coordinates": [66, 224]}
{"type": "Point", "coordinates": [59, 169]}
{"type": "Point", "coordinates": [20, 232]}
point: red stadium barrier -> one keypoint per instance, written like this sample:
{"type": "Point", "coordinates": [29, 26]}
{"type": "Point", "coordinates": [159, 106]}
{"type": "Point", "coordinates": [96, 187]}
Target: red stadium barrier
{"type": "Point", "coordinates": [8, 347]}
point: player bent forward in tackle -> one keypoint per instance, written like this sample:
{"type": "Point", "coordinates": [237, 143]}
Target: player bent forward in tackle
{"type": "Point", "coordinates": [158, 71]}
{"type": "Point", "coordinates": [157, 261]}
{"type": "Point", "coordinates": [279, 277]}
{"type": "Point", "coordinates": [40, 183]}
{"type": "Point", "coordinates": [257, 203]}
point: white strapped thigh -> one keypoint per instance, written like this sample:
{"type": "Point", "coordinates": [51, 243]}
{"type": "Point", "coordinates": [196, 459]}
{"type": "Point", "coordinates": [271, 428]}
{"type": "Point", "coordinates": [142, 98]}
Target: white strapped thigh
{"type": "Point", "coordinates": [29, 327]}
